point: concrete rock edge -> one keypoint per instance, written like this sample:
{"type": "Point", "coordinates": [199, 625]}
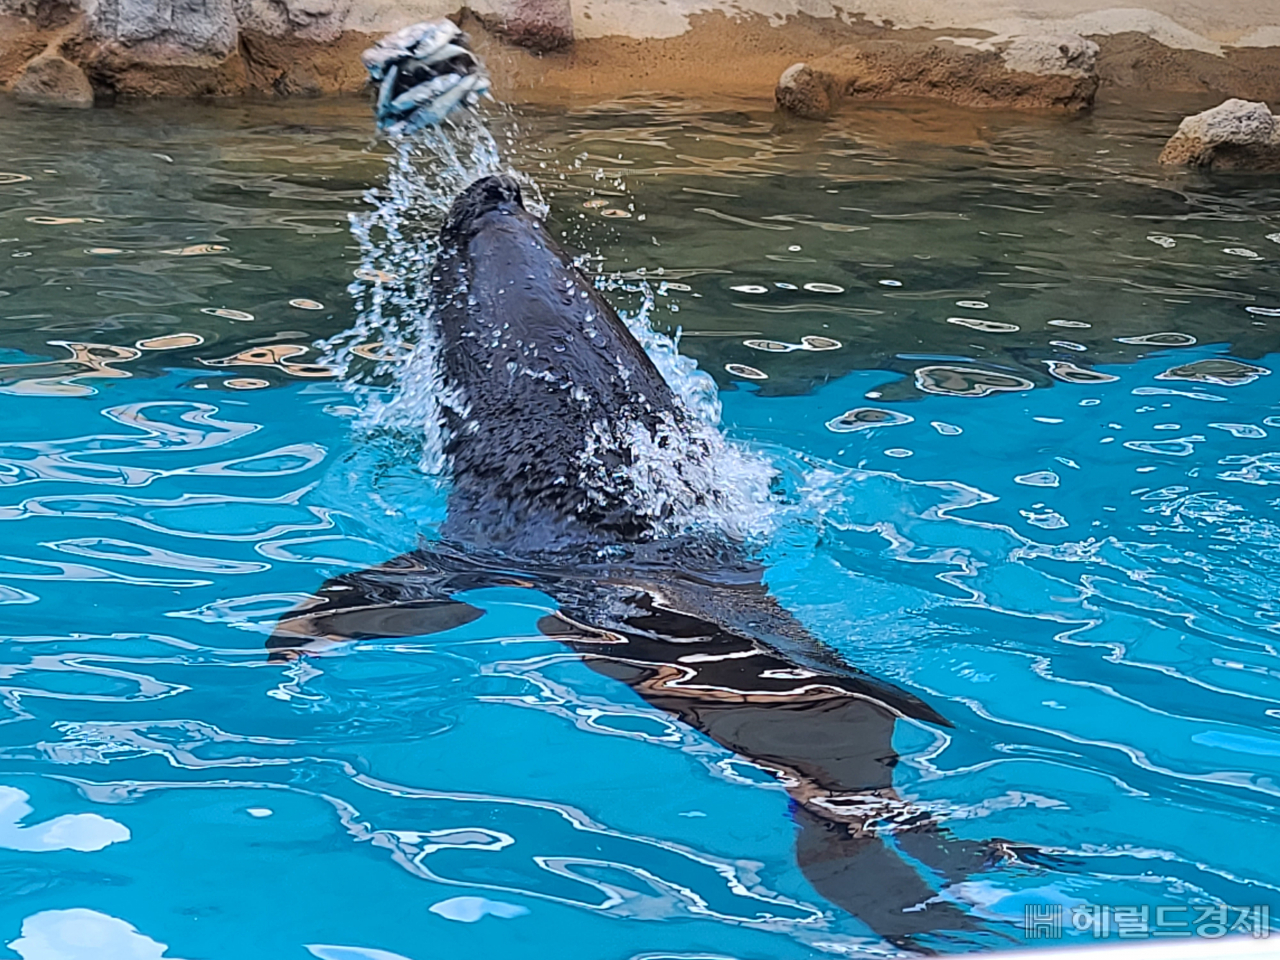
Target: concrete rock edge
{"type": "Point", "coordinates": [1053, 72]}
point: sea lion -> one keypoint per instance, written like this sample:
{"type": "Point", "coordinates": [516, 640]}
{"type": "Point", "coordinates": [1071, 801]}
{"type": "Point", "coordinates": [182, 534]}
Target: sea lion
{"type": "Point", "coordinates": [550, 406]}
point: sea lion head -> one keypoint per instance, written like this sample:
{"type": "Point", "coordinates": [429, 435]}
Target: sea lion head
{"type": "Point", "coordinates": [548, 397]}
{"type": "Point", "coordinates": [498, 194]}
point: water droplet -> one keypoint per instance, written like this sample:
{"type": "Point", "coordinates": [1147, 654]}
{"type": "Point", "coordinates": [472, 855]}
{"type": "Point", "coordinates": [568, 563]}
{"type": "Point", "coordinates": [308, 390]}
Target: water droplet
{"type": "Point", "coordinates": [752, 288]}
{"type": "Point", "coordinates": [1264, 311]}
{"type": "Point", "coordinates": [785, 286]}
{"type": "Point", "coordinates": [226, 314]}
{"type": "Point", "coordinates": [8, 178]}
{"type": "Point", "coordinates": [246, 383]}
{"type": "Point", "coordinates": [946, 429]}
{"type": "Point", "coordinates": [1041, 478]}
{"type": "Point", "coordinates": [259, 812]}
{"type": "Point", "coordinates": [973, 304]}
{"type": "Point", "coordinates": [1242, 252]}
{"type": "Point", "coordinates": [890, 283]}
{"type": "Point", "coordinates": [104, 251]}
{"type": "Point", "coordinates": [372, 275]}
{"type": "Point", "coordinates": [899, 452]}
{"type": "Point", "coordinates": [823, 288]}
{"type": "Point", "coordinates": [968, 381]}
{"type": "Point", "coordinates": [595, 203]}
{"type": "Point", "coordinates": [1068, 372]}
{"type": "Point", "coordinates": [1068, 345]}
{"type": "Point", "coordinates": [1224, 372]}
{"type": "Point", "coordinates": [1073, 324]}
{"type": "Point", "coordinates": [986, 326]}
{"type": "Point", "coordinates": [795, 248]}
{"type": "Point", "coordinates": [1163, 241]}
{"type": "Point", "coordinates": [304, 304]}
{"type": "Point", "coordinates": [1160, 340]}
{"type": "Point", "coordinates": [616, 214]}
{"type": "Point", "coordinates": [748, 373]}
{"type": "Point", "coordinates": [864, 418]}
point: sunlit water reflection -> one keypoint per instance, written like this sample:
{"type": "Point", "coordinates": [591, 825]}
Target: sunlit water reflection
{"type": "Point", "coordinates": [1014, 378]}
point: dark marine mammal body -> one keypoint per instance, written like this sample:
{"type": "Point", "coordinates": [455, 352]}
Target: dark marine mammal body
{"type": "Point", "coordinates": [541, 379]}
{"type": "Point", "coordinates": [540, 373]}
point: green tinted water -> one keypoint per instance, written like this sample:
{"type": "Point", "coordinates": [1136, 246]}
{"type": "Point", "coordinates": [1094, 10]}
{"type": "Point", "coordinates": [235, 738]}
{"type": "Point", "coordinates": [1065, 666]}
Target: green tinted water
{"type": "Point", "coordinates": [1015, 378]}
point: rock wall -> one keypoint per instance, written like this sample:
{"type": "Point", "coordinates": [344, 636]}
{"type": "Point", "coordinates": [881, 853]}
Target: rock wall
{"type": "Point", "coordinates": [546, 48]}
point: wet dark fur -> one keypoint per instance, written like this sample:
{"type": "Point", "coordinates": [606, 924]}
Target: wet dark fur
{"type": "Point", "coordinates": [687, 622]}
{"type": "Point", "coordinates": [535, 355]}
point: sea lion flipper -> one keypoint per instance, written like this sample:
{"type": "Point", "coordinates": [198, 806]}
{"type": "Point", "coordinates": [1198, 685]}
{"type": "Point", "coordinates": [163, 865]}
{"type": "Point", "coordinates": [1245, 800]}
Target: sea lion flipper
{"type": "Point", "coordinates": [728, 615]}
{"type": "Point", "coordinates": [409, 596]}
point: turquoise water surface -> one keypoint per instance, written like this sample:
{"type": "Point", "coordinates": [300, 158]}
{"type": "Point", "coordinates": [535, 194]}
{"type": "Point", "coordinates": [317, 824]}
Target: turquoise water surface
{"type": "Point", "coordinates": [1014, 381]}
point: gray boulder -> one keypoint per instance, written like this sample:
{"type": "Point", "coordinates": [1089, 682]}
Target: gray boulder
{"type": "Point", "coordinates": [803, 93]}
{"type": "Point", "coordinates": [179, 29]}
{"type": "Point", "coordinates": [50, 80]}
{"type": "Point", "coordinates": [321, 20]}
{"type": "Point", "coordinates": [1235, 135]}
{"type": "Point", "coordinates": [1047, 54]}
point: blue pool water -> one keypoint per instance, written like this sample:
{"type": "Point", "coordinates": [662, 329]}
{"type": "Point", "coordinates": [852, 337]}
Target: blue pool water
{"type": "Point", "coordinates": [1077, 569]}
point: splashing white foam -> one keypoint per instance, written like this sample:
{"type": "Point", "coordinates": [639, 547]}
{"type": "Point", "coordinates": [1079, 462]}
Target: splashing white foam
{"type": "Point", "coordinates": [687, 474]}
{"type": "Point", "coordinates": [398, 241]}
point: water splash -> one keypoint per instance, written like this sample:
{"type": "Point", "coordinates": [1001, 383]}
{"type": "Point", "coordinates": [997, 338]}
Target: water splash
{"type": "Point", "coordinates": [390, 356]}
{"type": "Point", "coordinates": [687, 475]}
{"type": "Point", "coordinates": [399, 386]}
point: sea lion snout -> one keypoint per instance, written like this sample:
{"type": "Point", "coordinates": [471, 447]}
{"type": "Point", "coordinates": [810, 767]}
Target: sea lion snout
{"type": "Point", "coordinates": [484, 196]}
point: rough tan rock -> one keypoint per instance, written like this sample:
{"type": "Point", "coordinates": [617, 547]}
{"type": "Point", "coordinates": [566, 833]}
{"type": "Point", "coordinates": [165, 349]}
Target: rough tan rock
{"type": "Point", "coordinates": [1139, 62]}
{"type": "Point", "coordinates": [715, 52]}
{"type": "Point", "coordinates": [1032, 73]}
{"type": "Point", "coordinates": [540, 25]}
{"type": "Point", "coordinates": [1052, 53]}
{"type": "Point", "coordinates": [803, 93]}
{"type": "Point", "coordinates": [21, 39]}
{"type": "Point", "coordinates": [321, 20]}
{"type": "Point", "coordinates": [1235, 135]}
{"type": "Point", "coordinates": [51, 80]}
{"type": "Point", "coordinates": [290, 66]}
{"type": "Point", "coordinates": [171, 31]}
